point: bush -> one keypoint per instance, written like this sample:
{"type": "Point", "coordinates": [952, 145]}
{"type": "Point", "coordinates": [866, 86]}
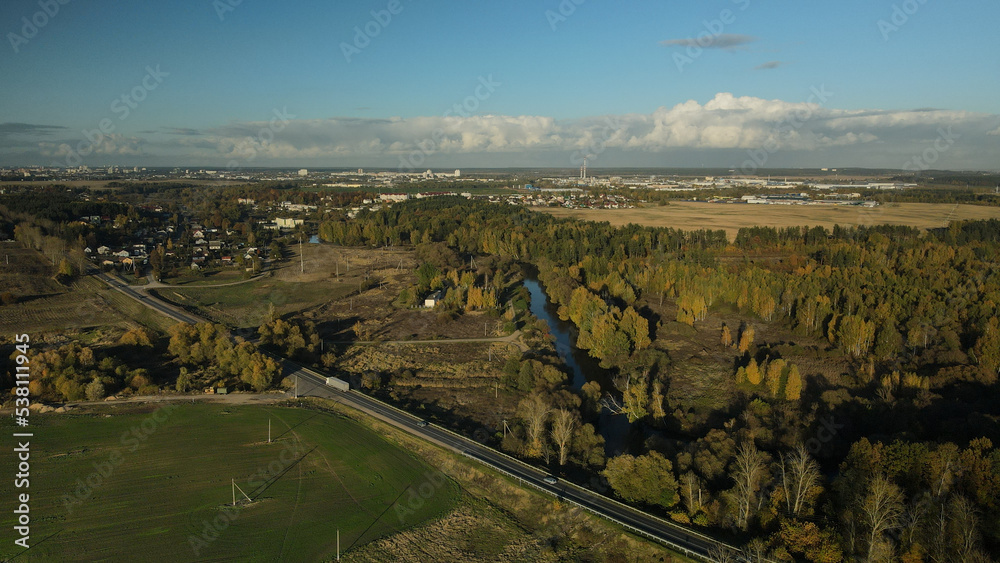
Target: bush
{"type": "Point", "coordinates": [95, 390]}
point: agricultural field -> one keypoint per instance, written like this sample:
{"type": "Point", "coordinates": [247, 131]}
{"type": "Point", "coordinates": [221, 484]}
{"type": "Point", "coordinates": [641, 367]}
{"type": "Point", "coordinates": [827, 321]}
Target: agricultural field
{"type": "Point", "coordinates": [731, 217]}
{"type": "Point", "coordinates": [123, 479]}
{"type": "Point", "coordinates": [323, 276]}
{"type": "Point", "coordinates": [501, 520]}
{"type": "Point", "coordinates": [45, 305]}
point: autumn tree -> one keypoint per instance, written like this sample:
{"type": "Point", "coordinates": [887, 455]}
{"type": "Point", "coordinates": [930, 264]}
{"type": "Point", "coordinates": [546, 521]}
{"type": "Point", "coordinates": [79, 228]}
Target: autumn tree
{"type": "Point", "coordinates": [987, 349]}
{"type": "Point", "coordinates": [775, 370]}
{"type": "Point", "coordinates": [95, 390]}
{"type": "Point", "coordinates": [183, 380]}
{"type": "Point", "coordinates": [563, 425]}
{"type": "Point", "coordinates": [800, 480]}
{"type": "Point", "coordinates": [856, 335]}
{"type": "Point", "coordinates": [753, 373]}
{"type": "Point", "coordinates": [534, 411]}
{"type": "Point", "coordinates": [880, 509]}
{"type": "Point", "coordinates": [746, 339]}
{"type": "Point", "coordinates": [810, 542]}
{"type": "Point", "coordinates": [749, 472]}
{"type": "Point", "coordinates": [727, 337]}
{"type": "Point", "coordinates": [793, 384]}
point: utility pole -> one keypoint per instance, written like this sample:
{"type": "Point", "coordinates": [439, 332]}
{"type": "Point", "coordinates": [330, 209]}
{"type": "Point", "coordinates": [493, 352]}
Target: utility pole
{"type": "Point", "coordinates": [269, 431]}
{"type": "Point", "coordinates": [338, 544]}
{"type": "Point", "coordinates": [302, 260]}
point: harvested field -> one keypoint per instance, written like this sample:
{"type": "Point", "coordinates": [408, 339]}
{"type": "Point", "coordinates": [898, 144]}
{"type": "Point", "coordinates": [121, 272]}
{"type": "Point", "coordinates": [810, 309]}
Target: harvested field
{"type": "Point", "coordinates": [731, 217]}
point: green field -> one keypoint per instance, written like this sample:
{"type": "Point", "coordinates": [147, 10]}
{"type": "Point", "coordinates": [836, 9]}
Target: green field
{"type": "Point", "coordinates": [166, 488]}
{"type": "Point", "coordinates": [246, 305]}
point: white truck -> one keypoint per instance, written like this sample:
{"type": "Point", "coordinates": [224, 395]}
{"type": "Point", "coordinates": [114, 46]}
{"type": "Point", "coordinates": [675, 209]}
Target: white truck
{"type": "Point", "coordinates": [337, 383]}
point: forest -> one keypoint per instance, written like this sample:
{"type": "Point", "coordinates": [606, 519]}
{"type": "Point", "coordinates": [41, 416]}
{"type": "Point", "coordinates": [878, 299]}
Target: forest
{"type": "Point", "coordinates": [890, 459]}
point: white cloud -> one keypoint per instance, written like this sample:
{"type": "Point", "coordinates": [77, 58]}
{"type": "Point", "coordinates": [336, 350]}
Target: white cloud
{"type": "Point", "coordinates": [725, 127]}
{"type": "Point", "coordinates": [113, 144]}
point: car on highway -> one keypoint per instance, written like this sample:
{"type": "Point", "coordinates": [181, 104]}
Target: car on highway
{"type": "Point", "coordinates": [550, 480]}
{"type": "Point", "coordinates": [422, 424]}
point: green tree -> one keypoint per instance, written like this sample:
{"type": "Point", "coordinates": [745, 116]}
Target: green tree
{"type": "Point", "coordinates": [183, 381]}
{"type": "Point", "coordinates": [648, 479]}
{"type": "Point", "coordinates": [95, 390]}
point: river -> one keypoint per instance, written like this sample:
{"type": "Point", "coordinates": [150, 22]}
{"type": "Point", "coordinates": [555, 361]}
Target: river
{"type": "Point", "coordinates": [615, 428]}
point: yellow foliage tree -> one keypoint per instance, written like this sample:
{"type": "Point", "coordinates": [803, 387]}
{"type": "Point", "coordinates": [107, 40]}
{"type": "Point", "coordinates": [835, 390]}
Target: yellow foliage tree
{"type": "Point", "coordinates": [793, 386]}
{"type": "Point", "coordinates": [753, 372]}
{"type": "Point", "coordinates": [773, 377]}
{"type": "Point", "coordinates": [746, 339]}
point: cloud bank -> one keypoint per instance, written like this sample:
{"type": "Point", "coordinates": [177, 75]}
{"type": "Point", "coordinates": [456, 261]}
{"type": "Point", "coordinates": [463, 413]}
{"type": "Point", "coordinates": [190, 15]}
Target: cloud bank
{"type": "Point", "coordinates": [719, 132]}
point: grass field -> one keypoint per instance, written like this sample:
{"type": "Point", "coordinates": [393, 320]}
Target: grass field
{"type": "Point", "coordinates": [165, 476]}
{"type": "Point", "coordinates": [45, 305]}
{"type": "Point", "coordinates": [246, 305]}
{"type": "Point", "coordinates": [732, 217]}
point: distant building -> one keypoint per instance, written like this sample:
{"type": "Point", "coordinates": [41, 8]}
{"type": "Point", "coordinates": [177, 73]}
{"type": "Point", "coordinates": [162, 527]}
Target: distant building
{"type": "Point", "coordinates": [394, 197]}
{"type": "Point", "coordinates": [303, 172]}
{"type": "Point", "coordinates": [286, 223]}
{"type": "Point", "coordinates": [433, 299]}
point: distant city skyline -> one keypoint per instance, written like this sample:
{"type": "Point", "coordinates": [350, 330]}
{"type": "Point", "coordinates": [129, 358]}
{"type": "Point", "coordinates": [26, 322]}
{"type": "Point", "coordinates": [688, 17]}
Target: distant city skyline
{"type": "Point", "coordinates": [403, 85]}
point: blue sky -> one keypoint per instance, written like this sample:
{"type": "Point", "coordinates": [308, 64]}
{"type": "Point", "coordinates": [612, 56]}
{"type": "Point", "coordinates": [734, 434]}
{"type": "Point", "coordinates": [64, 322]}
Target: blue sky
{"type": "Point", "coordinates": [555, 70]}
